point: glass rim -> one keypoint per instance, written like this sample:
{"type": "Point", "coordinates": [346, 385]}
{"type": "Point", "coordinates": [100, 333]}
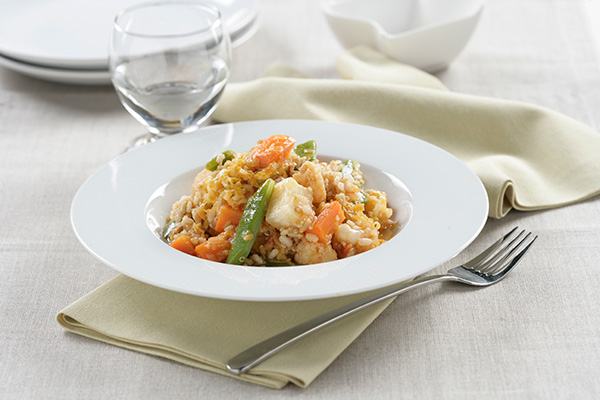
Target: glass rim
{"type": "Point", "coordinates": [216, 20]}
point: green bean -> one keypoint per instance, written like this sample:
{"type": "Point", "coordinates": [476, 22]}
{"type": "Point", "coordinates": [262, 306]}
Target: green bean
{"type": "Point", "coordinates": [213, 164]}
{"type": "Point", "coordinates": [308, 150]}
{"type": "Point", "coordinates": [252, 218]}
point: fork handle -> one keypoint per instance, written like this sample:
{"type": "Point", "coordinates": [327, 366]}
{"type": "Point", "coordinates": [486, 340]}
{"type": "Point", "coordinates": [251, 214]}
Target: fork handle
{"type": "Point", "coordinates": [269, 347]}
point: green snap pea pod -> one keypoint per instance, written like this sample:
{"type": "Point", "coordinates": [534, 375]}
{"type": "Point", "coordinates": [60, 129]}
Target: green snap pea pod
{"type": "Point", "coordinates": [348, 169]}
{"type": "Point", "coordinates": [308, 150]}
{"type": "Point", "coordinates": [213, 164]}
{"type": "Point", "coordinates": [252, 217]}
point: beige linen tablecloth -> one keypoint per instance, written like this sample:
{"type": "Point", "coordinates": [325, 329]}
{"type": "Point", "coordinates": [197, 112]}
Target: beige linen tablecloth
{"type": "Point", "coordinates": [535, 335]}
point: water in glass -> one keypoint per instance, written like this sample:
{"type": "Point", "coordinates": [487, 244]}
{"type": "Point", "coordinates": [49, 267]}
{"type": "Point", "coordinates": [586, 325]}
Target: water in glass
{"type": "Point", "coordinates": [171, 106]}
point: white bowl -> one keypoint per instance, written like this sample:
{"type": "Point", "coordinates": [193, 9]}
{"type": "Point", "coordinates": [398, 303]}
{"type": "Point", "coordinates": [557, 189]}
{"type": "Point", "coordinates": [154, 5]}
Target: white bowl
{"type": "Point", "coordinates": [427, 34]}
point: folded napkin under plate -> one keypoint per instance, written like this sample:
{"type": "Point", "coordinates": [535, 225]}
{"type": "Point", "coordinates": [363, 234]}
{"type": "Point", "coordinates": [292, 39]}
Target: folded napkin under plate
{"type": "Point", "coordinates": [205, 333]}
{"type": "Point", "coordinates": [528, 158]}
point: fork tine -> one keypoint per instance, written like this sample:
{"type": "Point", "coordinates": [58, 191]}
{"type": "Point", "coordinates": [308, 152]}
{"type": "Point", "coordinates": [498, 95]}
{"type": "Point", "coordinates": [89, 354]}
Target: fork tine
{"type": "Point", "coordinates": [496, 264]}
{"type": "Point", "coordinates": [515, 260]}
{"type": "Point", "coordinates": [502, 254]}
{"type": "Point", "coordinates": [477, 261]}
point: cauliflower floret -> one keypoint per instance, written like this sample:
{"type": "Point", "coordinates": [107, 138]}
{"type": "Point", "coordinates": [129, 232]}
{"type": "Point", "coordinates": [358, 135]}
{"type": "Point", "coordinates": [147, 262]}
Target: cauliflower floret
{"type": "Point", "coordinates": [290, 206]}
{"type": "Point", "coordinates": [350, 239]}
{"type": "Point", "coordinates": [347, 235]}
{"type": "Point", "coordinates": [310, 175]}
{"type": "Point", "coordinates": [314, 253]}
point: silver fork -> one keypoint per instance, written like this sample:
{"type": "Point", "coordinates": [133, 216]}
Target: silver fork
{"type": "Point", "coordinates": [487, 268]}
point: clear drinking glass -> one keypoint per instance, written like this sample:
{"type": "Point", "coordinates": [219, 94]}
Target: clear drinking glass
{"type": "Point", "coordinates": [169, 62]}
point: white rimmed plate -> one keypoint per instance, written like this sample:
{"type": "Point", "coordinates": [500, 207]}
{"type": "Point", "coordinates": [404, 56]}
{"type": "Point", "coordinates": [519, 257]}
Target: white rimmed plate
{"type": "Point", "coordinates": [75, 33]}
{"type": "Point", "coordinates": [118, 212]}
{"type": "Point", "coordinates": [71, 76]}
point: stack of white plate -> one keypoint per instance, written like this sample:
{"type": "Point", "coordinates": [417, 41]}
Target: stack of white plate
{"type": "Point", "coordinates": [67, 40]}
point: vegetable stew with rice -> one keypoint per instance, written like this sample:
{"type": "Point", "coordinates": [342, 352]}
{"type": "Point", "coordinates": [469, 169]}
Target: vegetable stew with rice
{"type": "Point", "coordinates": [278, 205]}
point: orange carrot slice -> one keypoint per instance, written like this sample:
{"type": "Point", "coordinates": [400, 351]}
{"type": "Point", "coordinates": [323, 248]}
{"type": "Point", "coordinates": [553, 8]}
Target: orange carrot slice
{"type": "Point", "coordinates": [273, 149]}
{"type": "Point", "coordinates": [327, 221]}
{"type": "Point", "coordinates": [226, 216]}
{"type": "Point", "coordinates": [183, 243]}
{"type": "Point", "coordinates": [216, 248]}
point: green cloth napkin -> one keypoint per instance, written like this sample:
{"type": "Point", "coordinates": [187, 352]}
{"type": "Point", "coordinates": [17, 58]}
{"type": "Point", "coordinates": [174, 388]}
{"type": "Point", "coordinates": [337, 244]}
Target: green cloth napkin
{"type": "Point", "coordinates": [205, 333]}
{"type": "Point", "coordinates": [527, 157]}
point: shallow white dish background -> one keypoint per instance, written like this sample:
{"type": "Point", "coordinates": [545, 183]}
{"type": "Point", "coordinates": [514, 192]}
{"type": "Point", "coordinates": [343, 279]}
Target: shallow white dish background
{"type": "Point", "coordinates": [117, 211]}
{"type": "Point", "coordinates": [71, 76]}
{"type": "Point", "coordinates": [87, 76]}
{"type": "Point", "coordinates": [75, 33]}
{"type": "Point", "coordinates": [427, 34]}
